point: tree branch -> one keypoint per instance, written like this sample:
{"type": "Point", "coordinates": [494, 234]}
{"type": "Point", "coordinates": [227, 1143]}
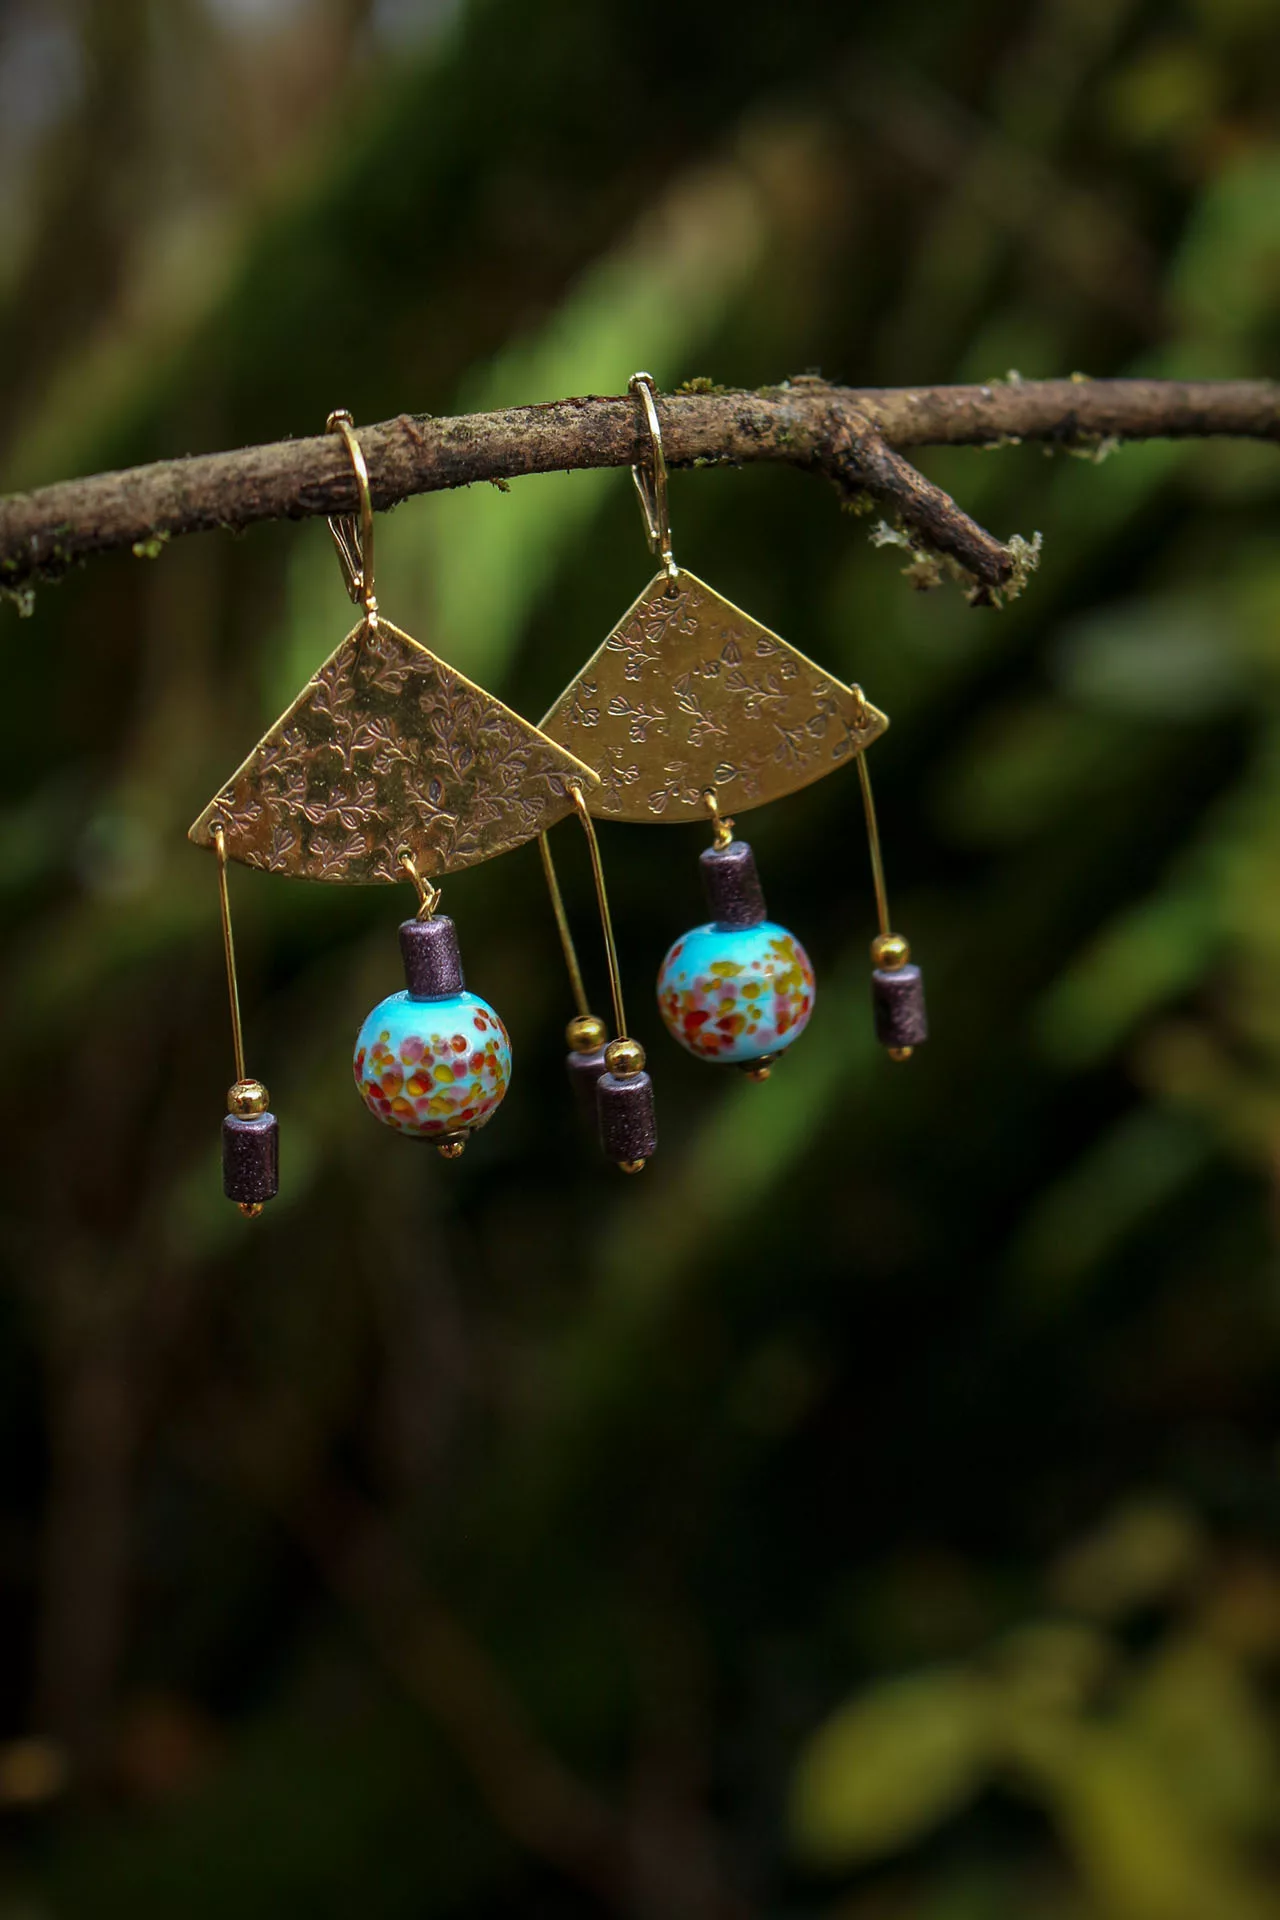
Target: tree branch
{"type": "Point", "coordinates": [852, 435]}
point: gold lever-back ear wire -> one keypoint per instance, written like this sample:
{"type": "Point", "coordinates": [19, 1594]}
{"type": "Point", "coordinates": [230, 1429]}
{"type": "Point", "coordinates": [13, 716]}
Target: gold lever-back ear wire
{"type": "Point", "coordinates": [352, 536]}
{"type": "Point", "coordinates": [652, 486]}
{"type": "Point", "coordinates": [888, 950]}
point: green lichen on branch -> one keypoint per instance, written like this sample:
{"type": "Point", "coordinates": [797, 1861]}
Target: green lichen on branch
{"type": "Point", "coordinates": [23, 598]}
{"type": "Point", "coordinates": [151, 548]}
{"type": "Point", "coordinates": [927, 569]}
{"type": "Point", "coordinates": [1094, 447]}
{"type": "Point", "coordinates": [1025, 555]}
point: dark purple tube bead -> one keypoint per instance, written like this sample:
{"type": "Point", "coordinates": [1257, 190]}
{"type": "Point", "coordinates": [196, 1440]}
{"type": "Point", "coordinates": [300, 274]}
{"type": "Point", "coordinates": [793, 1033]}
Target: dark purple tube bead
{"type": "Point", "coordinates": [897, 998]}
{"type": "Point", "coordinates": [432, 963]}
{"type": "Point", "coordinates": [624, 1105]}
{"type": "Point", "coordinates": [250, 1158]}
{"type": "Point", "coordinates": [732, 885]}
{"type": "Point", "coordinates": [584, 1070]}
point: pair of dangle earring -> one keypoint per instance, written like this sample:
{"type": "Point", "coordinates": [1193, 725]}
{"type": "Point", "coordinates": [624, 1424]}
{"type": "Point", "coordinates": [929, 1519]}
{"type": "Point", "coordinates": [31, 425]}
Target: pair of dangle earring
{"type": "Point", "coordinates": [688, 701]}
{"type": "Point", "coordinates": [388, 767]}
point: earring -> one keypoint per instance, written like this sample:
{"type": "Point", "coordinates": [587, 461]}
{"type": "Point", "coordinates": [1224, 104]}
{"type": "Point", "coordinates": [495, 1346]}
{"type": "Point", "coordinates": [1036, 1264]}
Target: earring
{"type": "Point", "coordinates": [610, 1080]}
{"type": "Point", "coordinates": [688, 700]}
{"type": "Point", "coordinates": [389, 766]}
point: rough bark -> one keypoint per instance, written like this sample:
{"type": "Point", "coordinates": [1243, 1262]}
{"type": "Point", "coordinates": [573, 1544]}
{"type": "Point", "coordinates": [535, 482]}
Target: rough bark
{"type": "Point", "coordinates": [851, 435]}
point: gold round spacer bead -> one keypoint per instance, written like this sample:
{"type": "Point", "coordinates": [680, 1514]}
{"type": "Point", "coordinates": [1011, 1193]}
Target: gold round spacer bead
{"type": "Point", "coordinates": [247, 1099]}
{"type": "Point", "coordinates": [890, 951]}
{"type": "Point", "coordinates": [250, 1208]}
{"type": "Point", "coordinates": [452, 1147]}
{"type": "Point", "coordinates": [632, 1166]}
{"type": "Point", "coordinates": [762, 1068]}
{"type": "Point", "coordinates": [624, 1057]}
{"type": "Point", "coordinates": [900, 1053]}
{"type": "Point", "coordinates": [585, 1032]}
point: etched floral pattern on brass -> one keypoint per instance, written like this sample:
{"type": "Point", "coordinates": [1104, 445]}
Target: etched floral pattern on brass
{"type": "Point", "coordinates": [690, 693]}
{"type": "Point", "coordinates": [388, 748]}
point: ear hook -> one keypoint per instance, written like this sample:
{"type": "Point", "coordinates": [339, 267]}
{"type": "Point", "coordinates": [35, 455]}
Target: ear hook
{"type": "Point", "coordinates": [354, 542]}
{"type": "Point", "coordinates": [652, 486]}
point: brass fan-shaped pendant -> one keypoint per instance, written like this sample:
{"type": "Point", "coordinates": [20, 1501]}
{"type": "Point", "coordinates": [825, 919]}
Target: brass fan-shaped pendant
{"type": "Point", "coordinates": [689, 695]}
{"type": "Point", "coordinates": [387, 750]}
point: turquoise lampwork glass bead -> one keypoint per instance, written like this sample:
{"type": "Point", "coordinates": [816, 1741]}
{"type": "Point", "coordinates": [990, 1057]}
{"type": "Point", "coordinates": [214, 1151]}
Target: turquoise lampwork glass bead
{"type": "Point", "coordinates": [736, 994]}
{"type": "Point", "coordinates": [433, 1067]}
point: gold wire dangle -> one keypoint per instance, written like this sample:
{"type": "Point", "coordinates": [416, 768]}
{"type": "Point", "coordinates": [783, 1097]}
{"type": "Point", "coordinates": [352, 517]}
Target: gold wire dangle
{"type": "Point", "coordinates": [624, 1091]}
{"type": "Point", "coordinates": [652, 486]}
{"type": "Point", "coordinates": [352, 534]}
{"type": "Point", "coordinates": [572, 964]}
{"type": "Point", "coordinates": [229, 948]}
{"type": "Point", "coordinates": [250, 1134]}
{"type": "Point", "coordinates": [606, 918]}
{"type": "Point", "coordinates": [586, 1034]}
{"type": "Point", "coordinates": [873, 845]}
{"type": "Point", "coordinates": [897, 986]}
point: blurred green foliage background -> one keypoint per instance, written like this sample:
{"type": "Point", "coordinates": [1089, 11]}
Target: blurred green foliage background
{"type": "Point", "coordinates": [874, 1511]}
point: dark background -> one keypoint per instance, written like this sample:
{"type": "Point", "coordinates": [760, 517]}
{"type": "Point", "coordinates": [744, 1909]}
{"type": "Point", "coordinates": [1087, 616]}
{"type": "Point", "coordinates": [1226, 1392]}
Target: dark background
{"type": "Point", "coordinates": [874, 1510]}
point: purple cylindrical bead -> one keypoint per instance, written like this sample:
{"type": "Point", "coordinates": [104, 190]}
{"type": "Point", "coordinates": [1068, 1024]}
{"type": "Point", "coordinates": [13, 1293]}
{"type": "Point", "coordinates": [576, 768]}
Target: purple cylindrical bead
{"type": "Point", "coordinates": [250, 1158]}
{"type": "Point", "coordinates": [732, 885]}
{"type": "Point", "coordinates": [624, 1105]}
{"type": "Point", "coordinates": [432, 963]}
{"type": "Point", "coordinates": [897, 998]}
{"type": "Point", "coordinates": [584, 1070]}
